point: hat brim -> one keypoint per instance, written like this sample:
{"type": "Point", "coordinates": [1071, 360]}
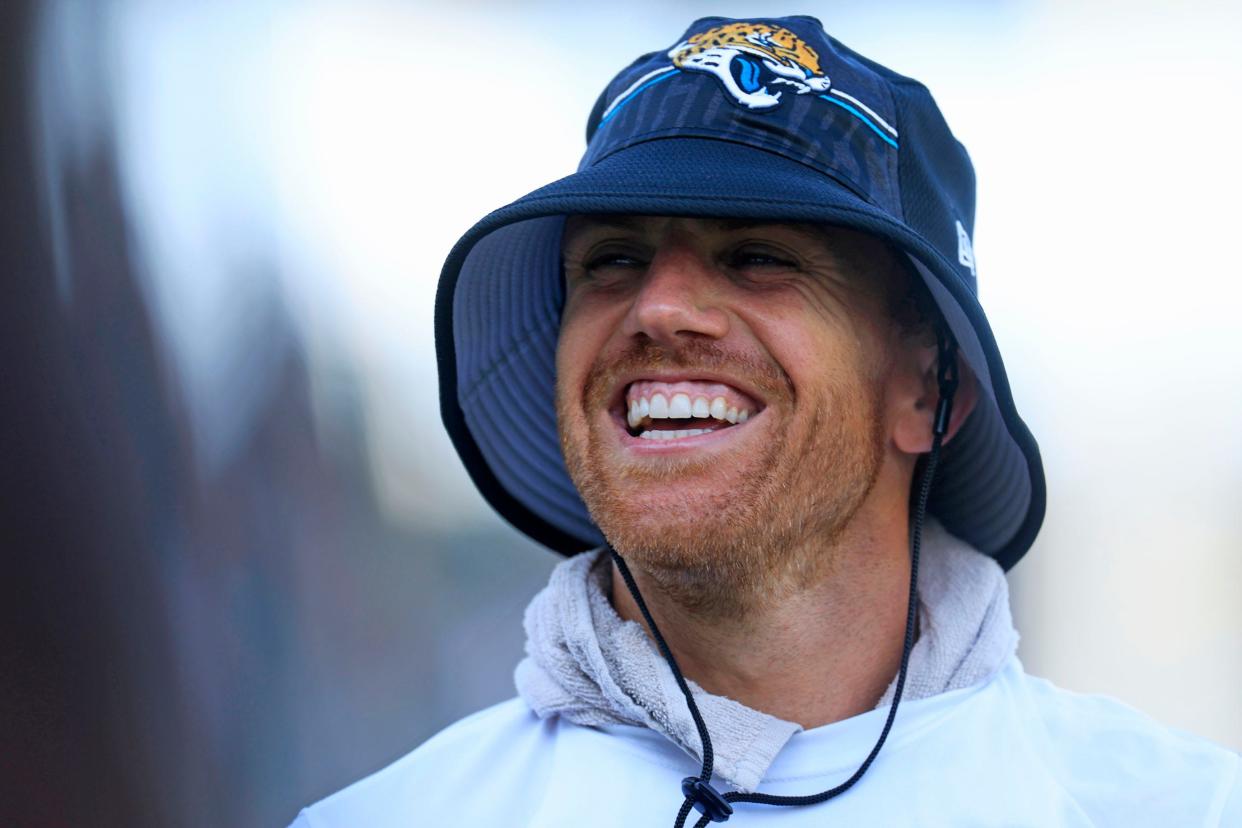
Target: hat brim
{"type": "Point", "coordinates": [498, 314]}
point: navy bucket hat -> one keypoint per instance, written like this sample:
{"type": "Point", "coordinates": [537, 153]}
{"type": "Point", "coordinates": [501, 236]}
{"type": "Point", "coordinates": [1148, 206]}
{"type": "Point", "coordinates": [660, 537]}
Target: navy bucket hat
{"type": "Point", "coordinates": [768, 119]}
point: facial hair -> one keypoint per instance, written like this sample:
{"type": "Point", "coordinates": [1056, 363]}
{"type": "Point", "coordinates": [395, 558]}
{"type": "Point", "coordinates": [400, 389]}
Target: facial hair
{"type": "Point", "coordinates": [724, 549]}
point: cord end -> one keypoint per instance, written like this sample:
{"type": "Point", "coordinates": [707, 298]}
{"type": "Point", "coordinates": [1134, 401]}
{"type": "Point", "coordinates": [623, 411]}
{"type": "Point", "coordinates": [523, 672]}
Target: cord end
{"type": "Point", "coordinates": [947, 379]}
{"type": "Point", "coordinates": [944, 410]}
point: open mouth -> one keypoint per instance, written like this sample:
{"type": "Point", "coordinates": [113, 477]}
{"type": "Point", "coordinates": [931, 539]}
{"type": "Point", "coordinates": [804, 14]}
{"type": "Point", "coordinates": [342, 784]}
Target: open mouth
{"type": "Point", "coordinates": [662, 410]}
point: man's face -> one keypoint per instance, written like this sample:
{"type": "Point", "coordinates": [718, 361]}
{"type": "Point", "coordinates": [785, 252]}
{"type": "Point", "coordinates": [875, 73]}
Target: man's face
{"type": "Point", "coordinates": [721, 389]}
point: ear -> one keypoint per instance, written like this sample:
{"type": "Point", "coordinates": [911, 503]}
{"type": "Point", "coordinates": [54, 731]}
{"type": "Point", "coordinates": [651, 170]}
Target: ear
{"type": "Point", "coordinates": [912, 429]}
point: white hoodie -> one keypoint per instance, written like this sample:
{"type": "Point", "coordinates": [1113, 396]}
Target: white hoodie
{"type": "Point", "coordinates": [601, 737]}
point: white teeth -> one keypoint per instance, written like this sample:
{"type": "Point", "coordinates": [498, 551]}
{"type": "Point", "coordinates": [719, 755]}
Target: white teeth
{"type": "Point", "coordinates": [679, 408]}
{"type": "Point", "coordinates": [673, 435]}
{"type": "Point", "coordinates": [659, 407]}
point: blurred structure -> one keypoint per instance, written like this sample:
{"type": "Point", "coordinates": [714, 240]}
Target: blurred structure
{"type": "Point", "coordinates": [246, 568]}
{"type": "Point", "coordinates": [204, 581]}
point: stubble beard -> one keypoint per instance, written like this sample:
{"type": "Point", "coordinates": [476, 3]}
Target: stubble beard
{"type": "Point", "coordinates": [729, 542]}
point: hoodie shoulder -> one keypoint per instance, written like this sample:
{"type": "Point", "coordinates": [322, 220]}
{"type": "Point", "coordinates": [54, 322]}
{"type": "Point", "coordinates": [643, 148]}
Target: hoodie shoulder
{"type": "Point", "coordinates": [501, 750]}
{"type": "Point", "coordinates": [1125, 768]}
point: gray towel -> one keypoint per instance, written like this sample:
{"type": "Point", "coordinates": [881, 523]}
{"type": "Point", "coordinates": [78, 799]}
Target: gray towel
{"type": "Point", "coordinates": [588, 665]}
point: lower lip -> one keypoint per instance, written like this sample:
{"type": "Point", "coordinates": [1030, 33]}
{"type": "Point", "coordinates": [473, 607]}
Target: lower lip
{"type": "Point", "coordinates": [647, 445]}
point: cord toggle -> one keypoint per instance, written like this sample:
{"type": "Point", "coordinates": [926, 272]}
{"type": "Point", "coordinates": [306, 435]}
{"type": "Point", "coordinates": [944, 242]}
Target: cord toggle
{"type": "Point", "coordinates": [706, 799]}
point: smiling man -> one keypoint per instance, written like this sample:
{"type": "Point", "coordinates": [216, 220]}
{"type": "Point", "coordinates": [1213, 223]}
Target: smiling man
{"type": "Point", "coordinates": [735, 370]}
{"type": "Point", "coordinates": [741, 406]}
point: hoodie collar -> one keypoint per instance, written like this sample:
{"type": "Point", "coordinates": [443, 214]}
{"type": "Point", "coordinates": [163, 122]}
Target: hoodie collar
{"type": "Point", "coordinates": [586, 664]}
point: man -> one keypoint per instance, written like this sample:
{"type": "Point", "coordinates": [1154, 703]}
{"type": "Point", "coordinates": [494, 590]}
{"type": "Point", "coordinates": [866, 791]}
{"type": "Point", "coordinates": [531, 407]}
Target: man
{"type": "Point", "coordinates": [735, 368]}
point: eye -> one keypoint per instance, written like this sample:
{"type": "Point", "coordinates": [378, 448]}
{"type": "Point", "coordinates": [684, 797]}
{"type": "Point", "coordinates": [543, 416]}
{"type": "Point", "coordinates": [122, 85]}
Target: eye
{"type": "Point", "coordinates": [761, 259]}
{"type": "Point", "coordinates": [607, 267]}
{"type": "Point", "coordinates": [611, 261]}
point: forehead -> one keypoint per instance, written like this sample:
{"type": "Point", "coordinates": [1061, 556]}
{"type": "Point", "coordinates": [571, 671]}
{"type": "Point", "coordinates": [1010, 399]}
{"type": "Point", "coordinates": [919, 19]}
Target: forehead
{"type": "Point", "coordinates": [579, 226]}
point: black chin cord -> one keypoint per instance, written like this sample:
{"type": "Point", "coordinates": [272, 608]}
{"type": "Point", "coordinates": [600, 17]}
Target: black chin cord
{"type": "Point", "coordinates": [700, 795]}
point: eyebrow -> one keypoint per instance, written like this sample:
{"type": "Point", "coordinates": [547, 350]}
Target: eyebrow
{"type": "Point", "coordinates": [814, 232]}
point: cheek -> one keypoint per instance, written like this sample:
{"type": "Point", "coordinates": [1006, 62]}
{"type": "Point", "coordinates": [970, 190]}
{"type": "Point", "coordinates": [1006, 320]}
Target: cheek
{"type": "Point", "coordinates": [571, 366]}
{"type": "Point", "coordinates": [585, 329]}
{"type": "Point", "coordinates": [814, 347]}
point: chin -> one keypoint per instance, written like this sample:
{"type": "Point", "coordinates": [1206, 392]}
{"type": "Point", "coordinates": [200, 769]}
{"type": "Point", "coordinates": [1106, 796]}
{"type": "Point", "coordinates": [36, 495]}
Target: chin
{"type": "Point", "coordinates": [690, 505]}
{"type": "Point", "coordinates": [680, 524]}
{"type": "Point", "coordinates": [697, 528]}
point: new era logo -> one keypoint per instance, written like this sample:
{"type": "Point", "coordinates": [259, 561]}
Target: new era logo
{"type": "Point", "coordinates": [965, 250]}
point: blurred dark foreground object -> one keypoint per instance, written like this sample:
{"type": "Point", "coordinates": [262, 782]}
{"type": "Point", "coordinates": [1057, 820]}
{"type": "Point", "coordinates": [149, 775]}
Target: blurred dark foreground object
{"type": "Point", "coordinates": [77, 735]}
{"type": "Point", "coordinates": [183, 645]}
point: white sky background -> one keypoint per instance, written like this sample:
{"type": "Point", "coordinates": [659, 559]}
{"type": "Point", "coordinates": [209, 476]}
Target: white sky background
{"type": "Point", "coordinates": [361, 139]}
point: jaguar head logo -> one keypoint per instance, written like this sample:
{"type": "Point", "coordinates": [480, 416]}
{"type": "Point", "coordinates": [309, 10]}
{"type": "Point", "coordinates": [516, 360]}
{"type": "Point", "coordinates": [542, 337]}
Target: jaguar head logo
{"type": "Point", "coordinates": [748, 58]}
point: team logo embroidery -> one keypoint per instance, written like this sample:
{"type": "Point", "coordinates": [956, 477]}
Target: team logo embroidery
{"type": "Point", "coordinates": [755, 63]}
{"type": "Point", "coordinates": [748, 57]}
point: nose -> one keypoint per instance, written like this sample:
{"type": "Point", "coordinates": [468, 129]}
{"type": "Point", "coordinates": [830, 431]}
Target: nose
{"type": "Point", "coordinates": [681, 296]}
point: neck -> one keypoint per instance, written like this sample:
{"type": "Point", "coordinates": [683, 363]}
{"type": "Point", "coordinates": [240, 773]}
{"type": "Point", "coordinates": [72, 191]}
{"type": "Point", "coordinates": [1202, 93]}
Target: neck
{"type": "Point", "coordinates": [825, 651]}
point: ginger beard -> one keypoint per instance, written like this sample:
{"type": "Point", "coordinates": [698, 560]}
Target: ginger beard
{"type": "Point", "coordinates": [722, 534]}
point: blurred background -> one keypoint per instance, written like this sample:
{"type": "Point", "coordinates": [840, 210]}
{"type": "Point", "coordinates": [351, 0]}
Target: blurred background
{"type": "Point", "coordinates": [243, 565]}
